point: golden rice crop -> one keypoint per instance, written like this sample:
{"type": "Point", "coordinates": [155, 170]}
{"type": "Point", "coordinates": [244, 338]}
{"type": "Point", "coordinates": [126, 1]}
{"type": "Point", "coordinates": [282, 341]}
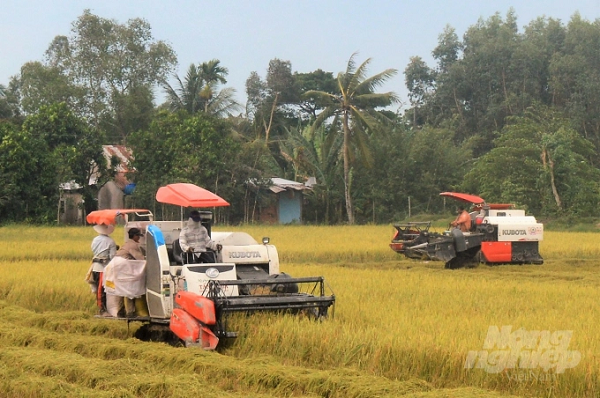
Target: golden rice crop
{"type": "Point", "coordinates": [400, 327]}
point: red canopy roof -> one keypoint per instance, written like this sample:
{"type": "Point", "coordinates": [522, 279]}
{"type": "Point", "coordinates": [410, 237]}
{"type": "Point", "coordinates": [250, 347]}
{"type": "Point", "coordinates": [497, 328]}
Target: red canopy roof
{"type": "Point", "coordinates": [188, 195]}
{"type": "Point", "coordinates": [465, 197]}
{"type": "Point", "coordinates": [476, 200]}
{"type": "Point", "coordinates": [109, 216]}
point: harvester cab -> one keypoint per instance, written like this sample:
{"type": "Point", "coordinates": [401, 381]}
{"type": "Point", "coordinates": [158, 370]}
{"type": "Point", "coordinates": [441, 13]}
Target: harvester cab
{"type": "Point", "coordinates": [192, 301]}
{"type": "Point", "coordinates": [499, 234]}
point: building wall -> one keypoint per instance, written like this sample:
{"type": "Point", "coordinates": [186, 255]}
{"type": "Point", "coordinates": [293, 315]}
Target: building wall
{"type": "Point", "coordinates": [290, 207]}
{"type": "Point", "coordinates": [70, 208]}
{"type": "Point", "coordinates": [268, 214]}
{"type": "Point", "coordinates": [111, 196]}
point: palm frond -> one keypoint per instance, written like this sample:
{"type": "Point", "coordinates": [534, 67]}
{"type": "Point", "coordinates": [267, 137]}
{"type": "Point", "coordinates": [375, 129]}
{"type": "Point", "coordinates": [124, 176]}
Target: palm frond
{"type": "Point", "coordinates": [370, 84]}
{"type": "Point", "coordinates": [361, 145]}
{"type": "Point", "coordinates": [376, 100]}
{"type": "Point", "coordinates": [358, 77]}
{"type": "Point", "coordinates": [351, 66]}
{"type": "Point", "coordinates": [363, 118]}
{"type": "Point", "coordinates": [224, 103]}
{"type": "Point", "coordinates": [326, 98]}
{"type": "Point", "coordinates": [173, 98]}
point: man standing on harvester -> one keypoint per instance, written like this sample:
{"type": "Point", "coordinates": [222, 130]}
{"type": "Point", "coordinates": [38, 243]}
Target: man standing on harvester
{"type": "Point", "coordinates": [194, 240]}
{"type": "Point", "coordinates": [132, 250]}
{"type": "Point", "coordinates": [104, 249]}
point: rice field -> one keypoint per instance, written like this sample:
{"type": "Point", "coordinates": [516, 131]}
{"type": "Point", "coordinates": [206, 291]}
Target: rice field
{"type": "Point", "coordinates": [401, 328]}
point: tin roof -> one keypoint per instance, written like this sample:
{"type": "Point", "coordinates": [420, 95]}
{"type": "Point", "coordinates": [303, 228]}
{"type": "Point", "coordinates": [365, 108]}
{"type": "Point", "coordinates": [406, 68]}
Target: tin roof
{"type": "Point", "coordinates": [281, 184]}
{"type": "Point", "coordinates": [121, 152]}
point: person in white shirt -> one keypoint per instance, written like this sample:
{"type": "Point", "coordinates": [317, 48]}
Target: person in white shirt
{"type": "Point", "coordinates": [194, 241]}
{"type": "Point", "coordinates": [104, 249]}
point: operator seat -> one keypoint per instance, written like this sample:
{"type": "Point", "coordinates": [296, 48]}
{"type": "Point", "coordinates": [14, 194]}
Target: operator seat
{"type": "Point", "coordinates": [473, 216]}
{"type": "Point", "coordinates": [177, 252]}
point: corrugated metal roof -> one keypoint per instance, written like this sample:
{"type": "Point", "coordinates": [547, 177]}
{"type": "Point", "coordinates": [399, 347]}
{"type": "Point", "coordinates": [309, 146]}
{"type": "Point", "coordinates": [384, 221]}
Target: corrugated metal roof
{"type": "Point", "coordinates": [69, 186]}
{"type": "Point", "coordinates": [121, 152]}
{"type": "Point", "coordinates": [281, 184]}
{"type": "Point", "coordinates": [124, 155]}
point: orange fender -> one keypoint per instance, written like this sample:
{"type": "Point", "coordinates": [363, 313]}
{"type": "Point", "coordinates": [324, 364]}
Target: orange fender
{"type": "Point", "coordinates": [184, 326]}
{"type": "Point", "coordinates": [197, 306]}
{"type": "Point", "coordinates": [191, 332]}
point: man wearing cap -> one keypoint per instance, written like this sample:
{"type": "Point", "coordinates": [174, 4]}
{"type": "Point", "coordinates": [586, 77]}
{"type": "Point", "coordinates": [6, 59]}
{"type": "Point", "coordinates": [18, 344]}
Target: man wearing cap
{"type": "Point", "coordinates": [104, 249]}
{"type": "Point", "coordinates": [132, 250]}
{"type": "Point", "coordinates": [194, 240]}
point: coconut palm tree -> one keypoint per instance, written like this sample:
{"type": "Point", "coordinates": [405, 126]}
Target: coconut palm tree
{"type": "Point", "coordinates": [353, 108]}
{"type": "Point", "coordinates": [187, 94]}
{"type": "Point", "coordinates": [315, 153]}
{"type": "Point", "coordinates": [212, 74]}
{"type": "Point", "coordinates": [198, 91]}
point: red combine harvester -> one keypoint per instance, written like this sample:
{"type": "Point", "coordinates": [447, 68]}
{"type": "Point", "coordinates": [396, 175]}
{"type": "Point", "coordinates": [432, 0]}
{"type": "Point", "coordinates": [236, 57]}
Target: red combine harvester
{"type": "Point", "coordinates": [499, 234]}
{"type": "Point", "coordinates": [190, 303]}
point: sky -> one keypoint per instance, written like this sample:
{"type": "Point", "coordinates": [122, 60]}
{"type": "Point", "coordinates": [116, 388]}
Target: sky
{"type": "Point", "coordinates": [245, 35]}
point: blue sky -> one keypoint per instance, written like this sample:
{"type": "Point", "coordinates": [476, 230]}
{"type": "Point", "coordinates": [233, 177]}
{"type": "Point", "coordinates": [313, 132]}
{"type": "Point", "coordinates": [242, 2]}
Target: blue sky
{"type": "Point", "coordinates": [244, 35]}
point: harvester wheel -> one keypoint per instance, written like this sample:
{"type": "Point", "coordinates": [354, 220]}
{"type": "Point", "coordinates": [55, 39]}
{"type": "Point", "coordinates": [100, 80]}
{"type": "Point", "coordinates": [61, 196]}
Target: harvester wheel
{"type": "Point", "coordinates": [317, 314]}
{"type": "Point", "coordinates": [474, 263]}
{"type": "Point", "coordinates": [454, 263]}
{"type": "Point", "coordinates": [479, 259]}
{"type": "Point", "coordinates": [157, 333]}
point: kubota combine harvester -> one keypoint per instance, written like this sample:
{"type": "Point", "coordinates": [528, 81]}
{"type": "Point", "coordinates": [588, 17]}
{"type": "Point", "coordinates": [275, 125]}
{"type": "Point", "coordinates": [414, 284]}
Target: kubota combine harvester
{"type": "Point", "coordinates": [499, 234]}
{"type": "Point", "coordinates": [193, 301]}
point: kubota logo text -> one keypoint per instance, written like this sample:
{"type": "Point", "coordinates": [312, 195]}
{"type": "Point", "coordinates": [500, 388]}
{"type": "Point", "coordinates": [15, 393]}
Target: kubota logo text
{"type": "Point", "coordinates": [244, 255]}
{"type": "Point", "coordinates": [514, 232]}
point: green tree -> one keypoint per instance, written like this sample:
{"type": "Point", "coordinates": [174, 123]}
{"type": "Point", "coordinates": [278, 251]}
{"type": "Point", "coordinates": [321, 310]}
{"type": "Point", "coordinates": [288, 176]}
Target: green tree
{"type": "Point", "coordinates": [42, 85]}
{"type": "Point", "coordinates": [178, 147]}
{"type": "Point", "coordinates": [52, 147]}
{"type": "Point", "coordinates": [267, 99]}
{"type": "Point", "coordinates": [9, 102]}
{"type": "Point", "coordinates": [354, 105]}
{"type": "Point", "coordinates": [575, 77]}
{"type": "Point", "coordinates": [107, 62]}
{"type": "Point", "coordinates": [419, 81]}
{"type": "Point", "coordinates": [17, 161]}
{"type": "Point", "coordinates": [5, 111]}
{"type": "Point", "coordinates": [540, 162]}
{"type": "Point", "coordinates": [73, 149]}
{"type": "Point", "coordinates": [270, 108]}
{"type": "Point", "coordinates": [493, 73]}
{"type": "Point", "coordinates": [317, 80]}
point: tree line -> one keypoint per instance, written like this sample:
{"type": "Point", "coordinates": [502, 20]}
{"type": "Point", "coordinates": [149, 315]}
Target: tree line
{"type": "Point", "coordinates": [506, 114]}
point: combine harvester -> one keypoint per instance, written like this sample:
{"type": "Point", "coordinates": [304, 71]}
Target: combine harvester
{"type": "Point", "coordinates": [192, 301]}
{"type": "Point", "coordinates": [499, 234]}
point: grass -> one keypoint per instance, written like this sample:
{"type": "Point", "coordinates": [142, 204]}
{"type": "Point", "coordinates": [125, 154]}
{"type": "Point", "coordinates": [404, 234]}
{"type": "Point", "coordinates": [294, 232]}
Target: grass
{"type": "Point", "coordinates": [400, 328]}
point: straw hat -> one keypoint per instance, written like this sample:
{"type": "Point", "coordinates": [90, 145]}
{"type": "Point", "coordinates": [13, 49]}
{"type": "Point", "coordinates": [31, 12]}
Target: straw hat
{"type": "Point", "coordinates": [104, 229]}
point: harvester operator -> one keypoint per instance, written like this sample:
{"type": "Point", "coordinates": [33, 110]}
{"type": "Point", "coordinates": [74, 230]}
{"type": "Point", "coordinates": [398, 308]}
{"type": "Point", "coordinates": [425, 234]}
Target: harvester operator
{"type": "Point", "coordinates": [463, 220]}
{"type": "Point", "coordinates": [194, 240]}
